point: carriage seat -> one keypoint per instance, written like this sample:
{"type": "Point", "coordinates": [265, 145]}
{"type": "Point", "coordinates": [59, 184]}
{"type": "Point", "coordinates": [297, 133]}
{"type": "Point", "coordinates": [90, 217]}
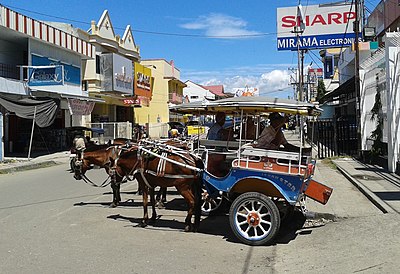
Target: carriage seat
{"type": "Point", "coordinates": [278, 154]}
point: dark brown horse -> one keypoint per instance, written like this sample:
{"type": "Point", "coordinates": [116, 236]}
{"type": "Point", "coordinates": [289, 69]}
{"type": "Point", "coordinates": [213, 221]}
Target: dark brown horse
{"type": "Point", "coordinates": [102, 155]}
{"type": "Point", "coordinates": [153, 168]}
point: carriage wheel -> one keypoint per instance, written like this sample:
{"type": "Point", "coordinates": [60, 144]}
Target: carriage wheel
{"type": "Point", "coordinates": [254, 218]}
{"type": "Point", "coordinates": [210, 205]}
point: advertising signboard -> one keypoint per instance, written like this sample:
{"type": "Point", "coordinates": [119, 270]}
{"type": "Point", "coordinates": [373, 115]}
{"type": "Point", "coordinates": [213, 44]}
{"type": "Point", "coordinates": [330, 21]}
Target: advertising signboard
{"type": "Point", "coordinates": [122, 74]}
{"type": "Point", "coordinates": [49, 72]}
{"type": "Point", "coordinates": [246, 91]}
{"type": "Point", "coordinates": [79, 107]}
{"type": "Point", "coordinates": [324, 26]}
{"type": "Point", "coordinates": [116, 73]}
{"type": "Point", "coordinates": [142, 80]}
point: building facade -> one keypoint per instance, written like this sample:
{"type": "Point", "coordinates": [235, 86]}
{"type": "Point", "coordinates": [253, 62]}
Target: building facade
{"type": "Point", "coordinates": [167, 90]}
{"type": "Point", "coordinates": [40, 79]}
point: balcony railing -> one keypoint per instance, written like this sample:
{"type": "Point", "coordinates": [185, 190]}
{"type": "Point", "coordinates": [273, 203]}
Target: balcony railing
{"type": "Point", "coordinates": [175, 98]}
{"type": "Point", "coordinates": [9, 71]}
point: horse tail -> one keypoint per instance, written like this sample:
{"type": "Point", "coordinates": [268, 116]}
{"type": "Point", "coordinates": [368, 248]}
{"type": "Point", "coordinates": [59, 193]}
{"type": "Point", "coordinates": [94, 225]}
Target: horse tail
{"type": "Point", "coordinates": [197, 189]}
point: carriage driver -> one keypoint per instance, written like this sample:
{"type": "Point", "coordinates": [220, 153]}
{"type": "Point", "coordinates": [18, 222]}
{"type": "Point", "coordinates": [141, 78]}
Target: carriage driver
{"type": "Point", "coordinates": [79, 143]}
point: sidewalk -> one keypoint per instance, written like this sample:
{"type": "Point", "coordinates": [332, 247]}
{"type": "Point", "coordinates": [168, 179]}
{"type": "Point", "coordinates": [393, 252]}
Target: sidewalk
{"type": "Point", "coordinates": [11, 164]}
{"type": "Point", "coordinates": [381, 187]}
{"type": "Point", "coordinates": [353, 184]}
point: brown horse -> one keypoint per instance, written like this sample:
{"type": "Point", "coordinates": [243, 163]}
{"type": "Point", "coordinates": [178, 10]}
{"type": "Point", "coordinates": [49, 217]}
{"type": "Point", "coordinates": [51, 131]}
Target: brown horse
{"type": "Point", "coordinates": [101, 155]}
{"type": "Point", "coordinates": [151, 171]}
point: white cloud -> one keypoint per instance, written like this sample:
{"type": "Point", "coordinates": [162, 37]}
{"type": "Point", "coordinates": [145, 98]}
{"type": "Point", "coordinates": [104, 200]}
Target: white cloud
{"type": "Point", "coordinates": [270, 82]}
{"type": "Point", "coordinates": [221, 26]}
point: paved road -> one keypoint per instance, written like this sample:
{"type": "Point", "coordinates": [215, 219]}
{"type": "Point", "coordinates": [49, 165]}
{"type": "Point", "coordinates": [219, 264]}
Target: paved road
{"type": "Point", "coordinates": [51, 223]}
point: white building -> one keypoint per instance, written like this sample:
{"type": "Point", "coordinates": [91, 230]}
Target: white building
{"type": "Point", "coordinates": [195, 92]}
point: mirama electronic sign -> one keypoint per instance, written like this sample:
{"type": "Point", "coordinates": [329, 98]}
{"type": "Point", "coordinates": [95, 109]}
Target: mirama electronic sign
{"type": "Point", "coordinates": [324, 26]}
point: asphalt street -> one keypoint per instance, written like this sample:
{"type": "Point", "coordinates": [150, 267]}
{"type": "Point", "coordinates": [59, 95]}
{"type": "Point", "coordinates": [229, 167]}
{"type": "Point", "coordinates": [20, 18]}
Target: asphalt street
{"type": "Point", "coordinates": [51, 223]}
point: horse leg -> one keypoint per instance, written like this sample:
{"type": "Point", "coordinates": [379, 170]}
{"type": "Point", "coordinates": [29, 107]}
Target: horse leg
{"type": "Point", "coordinates": [153, 206]}
{"type": "Point", "coordinates": [145, 196]}
{"type": "Point", "coordinates": [161, 197]}
{"type": "Point", "coordinates": [185, 191]}
{"type": "Point", "coordinates": [116, 196]}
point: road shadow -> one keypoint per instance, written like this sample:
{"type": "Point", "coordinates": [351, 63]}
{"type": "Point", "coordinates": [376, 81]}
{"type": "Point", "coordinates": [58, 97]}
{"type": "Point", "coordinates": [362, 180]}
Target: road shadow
{"type": "Point", "coordinates": [218, 225]}
{"type": "Point", "coordinates": [388, 195]}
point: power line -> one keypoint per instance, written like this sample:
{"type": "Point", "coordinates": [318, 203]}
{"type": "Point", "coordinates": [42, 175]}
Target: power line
{"type": "Point", "coordinates": [151, 32]}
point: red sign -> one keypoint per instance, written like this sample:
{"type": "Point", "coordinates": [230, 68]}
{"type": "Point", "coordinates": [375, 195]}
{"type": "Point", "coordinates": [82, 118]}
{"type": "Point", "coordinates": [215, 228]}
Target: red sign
{"type": "Point", "coordinates": [132, 102]}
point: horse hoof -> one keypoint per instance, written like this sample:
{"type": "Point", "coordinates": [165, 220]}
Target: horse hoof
{"type": "Point", "coordinates": [160, 205]}
{"type": "Point", "coordinates": [143, 224]}
{"type": "Point", "coordinates": [187, 228]}
{"type": "Point", "coordinates": [112, 205]}
{"type": "Point", "coordinates": [153, 220]}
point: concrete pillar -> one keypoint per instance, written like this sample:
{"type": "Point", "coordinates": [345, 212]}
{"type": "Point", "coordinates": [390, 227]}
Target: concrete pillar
{"type": "Point", "coordinates": [393, 97]}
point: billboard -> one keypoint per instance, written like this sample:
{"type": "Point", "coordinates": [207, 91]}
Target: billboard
{"type": "Point", "coordinates": [49, 72]}
{"type": "Point", "coordinates": [246, 92]}
{"type": "Point", "coordinates": [324, 26]}
{"type": "Point", "coordinates": [142, 86]}
{"type": "Point", "coordinates": [116, 73]}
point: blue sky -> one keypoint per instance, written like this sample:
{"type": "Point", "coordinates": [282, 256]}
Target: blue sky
{"type": "Point", "coordinates": [190, 33]}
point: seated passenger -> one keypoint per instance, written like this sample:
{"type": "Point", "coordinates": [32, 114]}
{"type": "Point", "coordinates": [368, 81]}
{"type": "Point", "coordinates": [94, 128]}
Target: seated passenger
{"type": "Point", "coordinates": [216, 162]}
{"type": "Point", "coordinates": [216, 131]}
{"type": "Point", "coordinates": [272, 136]}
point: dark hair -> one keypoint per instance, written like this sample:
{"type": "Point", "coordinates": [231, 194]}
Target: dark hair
{"type": "Point", "coordinates": [275, 116]}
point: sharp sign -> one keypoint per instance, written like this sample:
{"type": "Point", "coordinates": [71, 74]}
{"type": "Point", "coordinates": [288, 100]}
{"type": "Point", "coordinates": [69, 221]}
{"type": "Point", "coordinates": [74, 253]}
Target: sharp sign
{"type": "Point", "coordinates": [326, 26]}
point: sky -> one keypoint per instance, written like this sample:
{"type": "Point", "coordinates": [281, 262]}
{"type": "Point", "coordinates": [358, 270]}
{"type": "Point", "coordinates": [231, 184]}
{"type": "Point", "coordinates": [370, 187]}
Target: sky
{"type": "Point", "coordinates": [212, 42]}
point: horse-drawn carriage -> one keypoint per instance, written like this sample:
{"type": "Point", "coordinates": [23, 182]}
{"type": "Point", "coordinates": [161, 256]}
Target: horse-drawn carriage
{"type": "Point", "coordinates": [262, 186]}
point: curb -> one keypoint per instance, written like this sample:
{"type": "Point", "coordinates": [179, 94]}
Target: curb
{"type": "Point", "coordinates": [29, 166]}
{"type": "Point", "coordinates": [381, 205]}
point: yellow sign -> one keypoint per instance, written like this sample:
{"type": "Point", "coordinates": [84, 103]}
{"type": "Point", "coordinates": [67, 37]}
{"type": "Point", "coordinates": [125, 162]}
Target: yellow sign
{"type": "Point", "coordinates": [143, 84]}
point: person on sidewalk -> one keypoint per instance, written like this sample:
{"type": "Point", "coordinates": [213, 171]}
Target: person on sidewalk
{"type": "Point", "coordinates": [273, 138]}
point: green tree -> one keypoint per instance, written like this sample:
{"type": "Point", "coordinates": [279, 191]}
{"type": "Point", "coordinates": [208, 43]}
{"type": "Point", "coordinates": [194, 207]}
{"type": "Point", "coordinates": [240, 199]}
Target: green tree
{"type": "Point", "coordinates": [376, 135]}
{"type": "Point", "coordinates": [321, 90]}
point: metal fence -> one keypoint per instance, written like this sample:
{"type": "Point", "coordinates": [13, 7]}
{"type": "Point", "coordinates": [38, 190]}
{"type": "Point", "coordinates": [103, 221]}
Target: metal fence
{"type": "Point", "coordinates": [333, 137]}
{"type": "Point", "coordinates": [113, 130]}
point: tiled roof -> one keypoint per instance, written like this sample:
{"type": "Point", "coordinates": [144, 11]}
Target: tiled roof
{"type": "Point", "coordinates": [217, 90]}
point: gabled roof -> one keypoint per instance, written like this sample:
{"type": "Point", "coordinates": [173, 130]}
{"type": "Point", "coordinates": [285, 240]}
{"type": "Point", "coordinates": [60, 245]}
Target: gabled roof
{"type": "Point", "coordinates": [127, 39]}
{"type": "Point", "coordinates": [217, 90]}
{"type": "Point", "coordinates": [105, 26]}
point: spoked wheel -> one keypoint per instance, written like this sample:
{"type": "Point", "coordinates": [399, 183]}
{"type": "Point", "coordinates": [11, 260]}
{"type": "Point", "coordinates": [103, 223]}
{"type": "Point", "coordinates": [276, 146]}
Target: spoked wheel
{"type": "Point", "coordinates": [254, 218]}
{"type": "Point", "coordinates": [210, 205]}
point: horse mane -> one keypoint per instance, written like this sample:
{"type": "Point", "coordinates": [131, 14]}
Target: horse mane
{"type": "Point", "coordinates": [92, 148]}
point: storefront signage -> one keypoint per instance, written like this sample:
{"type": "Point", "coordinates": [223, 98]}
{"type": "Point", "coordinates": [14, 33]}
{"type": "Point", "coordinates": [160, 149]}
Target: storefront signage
{"type": "Point", "coordinates": [79, 107]}
{"type": "Point", "coordinates": [324, 26]}
{"type": "Point", "coordinates": [46, 76]}
{"type": "Point", "coordinates": [49, 72]}
{"type": "Point", "coordinates": [132, 102]}
{"type": "Point", "coordinates": [116, 73]}
{"type": "Point", "coordinates": [142, 81]}
{"type": "Point", "coordinates": [122, 74]}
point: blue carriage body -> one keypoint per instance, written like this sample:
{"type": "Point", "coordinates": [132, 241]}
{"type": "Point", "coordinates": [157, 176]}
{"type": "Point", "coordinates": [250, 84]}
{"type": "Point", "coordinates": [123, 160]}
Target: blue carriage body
{"type": "Point", "coordinates": [290, 186]}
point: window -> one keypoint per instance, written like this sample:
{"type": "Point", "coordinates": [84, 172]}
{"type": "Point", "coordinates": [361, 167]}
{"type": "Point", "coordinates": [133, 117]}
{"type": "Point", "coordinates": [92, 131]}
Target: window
{"type": "Point", "coordinates": [97, 64]}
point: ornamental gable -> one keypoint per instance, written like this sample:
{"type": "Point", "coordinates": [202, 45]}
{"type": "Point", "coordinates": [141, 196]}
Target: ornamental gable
{"type": "Point", "coordinates": [104, 26]}
{"type": "Point", "coordinates": [127, 40]}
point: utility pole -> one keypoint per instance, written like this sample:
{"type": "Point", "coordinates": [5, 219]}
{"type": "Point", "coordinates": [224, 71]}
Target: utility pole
{"type": "Point", "coordinates": [357, 76]}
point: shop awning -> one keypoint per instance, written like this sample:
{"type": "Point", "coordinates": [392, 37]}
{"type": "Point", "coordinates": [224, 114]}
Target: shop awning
{"type": "Point", "coordinates": [44, 110]}
{"type": "Point", "coordinates": [11, 86]}
{"type": "Point", "coordinates": [345, 88]}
